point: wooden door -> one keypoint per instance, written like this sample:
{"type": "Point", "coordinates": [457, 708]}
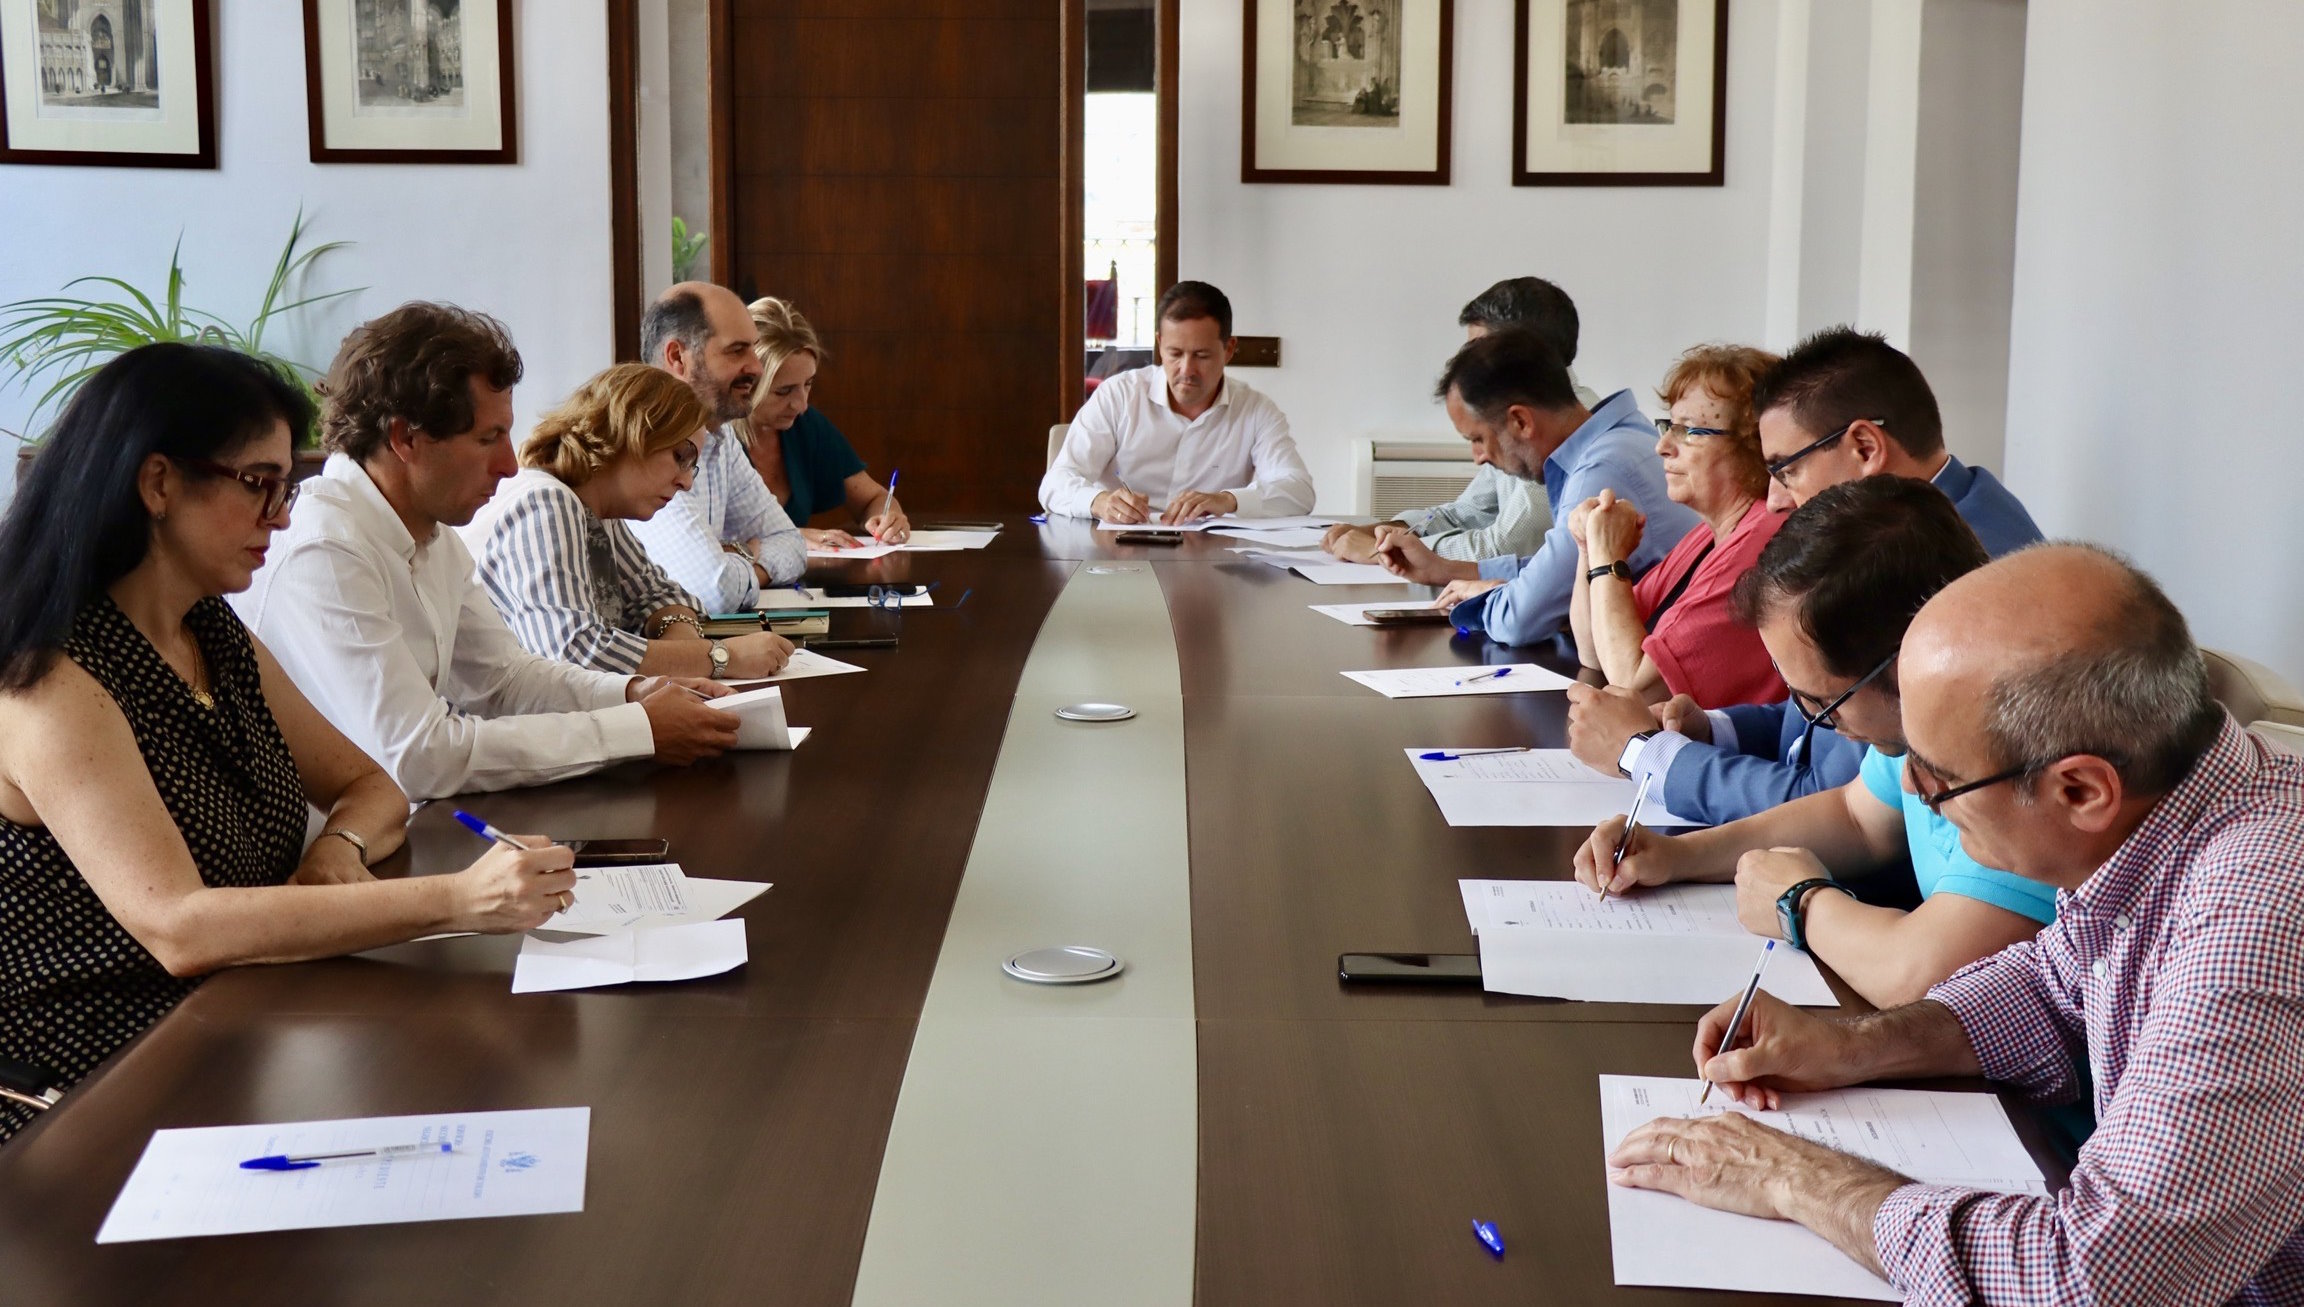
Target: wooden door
{"type": "Point", "coordinates": [907, 173]}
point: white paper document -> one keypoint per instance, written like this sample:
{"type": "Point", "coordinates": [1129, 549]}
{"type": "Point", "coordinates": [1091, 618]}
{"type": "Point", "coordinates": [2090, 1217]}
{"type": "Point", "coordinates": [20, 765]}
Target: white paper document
{"type": "Point", "coordinates": [940, 541]}
{"type": "Point", "coordinates": [772, 601]}
{"type": "Point", "coordinates": [650, 953]}
{"type": "Point", "coordinates": [1662, 944]}
{"type": "Point", "coordinates": [1235, 523]}
{"type": "Point", "coordinates": [1529, 787]}
{"type": "Point", "coordinates": [863, 551]}
{"type": "Point", "coordinates": [1428, 682]}
{"type": "Point", "coordinates": [704, 900]}
{"type": "Point", "coordinates": [806, 663]}
{"type": "Point", "coordinates": [1201, 525]}
{"type": "Point", "coordinates": [1357, 614]}
{"type": "Point", "coordinates": [1286, 537]}
{"type": "Point", "coordinates": [760, 718]}
{"type": "Point", "coordinates": [1931, 1136]}
{"type": "Point", "coordinates": [189, 1182]}
{"type": "Point", "coordinates": [607, 898]}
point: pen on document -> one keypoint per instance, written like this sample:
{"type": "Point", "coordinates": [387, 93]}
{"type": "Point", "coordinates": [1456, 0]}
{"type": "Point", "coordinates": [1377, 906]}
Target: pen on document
{"type": "Point", "coordinates": [1736, 1018]}
{"type": "Point", "coordinates": [1446, 755]}
{"type": "Point", "coordinates": [1624, 841]}
{"type": "Point", "coordinates": [488, 832]}
{"type": "Point", "coordinates": [1497, 675]}
{"type": "Point", "coordinates": [306, 1161]}
{"type": "Point", "coordinates": [890, 506]}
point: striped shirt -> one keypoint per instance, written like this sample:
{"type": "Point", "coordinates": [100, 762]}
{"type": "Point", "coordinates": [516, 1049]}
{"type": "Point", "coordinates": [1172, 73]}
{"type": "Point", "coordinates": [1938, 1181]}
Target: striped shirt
{"type": "Point", "coordinates": [728, 505]}
{"type": "Point", "coordinates": [570, 585]}
{"type": "Point", "coordinates": [2179, 968]}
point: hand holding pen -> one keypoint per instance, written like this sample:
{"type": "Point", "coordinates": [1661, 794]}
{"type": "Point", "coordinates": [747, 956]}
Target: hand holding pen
{"type": "Point", "coordinates": [517, 885]}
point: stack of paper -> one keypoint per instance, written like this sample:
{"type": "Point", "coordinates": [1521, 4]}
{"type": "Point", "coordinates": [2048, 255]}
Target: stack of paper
{"type": "Point", "coordinates": [609, 899]}
{"type": "Point", "coordinates": [1357, 614]}
{"type": "Point", "coordinates": [1427, 682]}
{"type": "Point", "coordinates": [1668, 944]}
{"type": "Point", "coordinates": [656, 953]}
{"type": "Point", "coordinates": [942, 541]}
{"type": "Point", "coordinates": [190, 1182]}
{"type": "Point", "coordinates": [1528, 787]}
{"type": "Point", "coordinates": [864, 551]}
{"type": "Point", "coordinates": [1285, 537]}
{"type": "Point", "coordinates": [804, 664]}
{"type": "Point", "coordinates": [1931, 1136]}
{"type": "Point", "coordinates": [760, 718]}
{"type": "Point", "coordinates": [1201, 525]}
{"type": "Point", "coordinates": [788, 597]}
{"type": "Point", "coordinates": [1317, 567]}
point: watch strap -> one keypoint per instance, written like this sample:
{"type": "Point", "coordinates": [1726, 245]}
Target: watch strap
{"type": "Point", "coordinates": [1631, 754]}
{"type": "Point", "coordinates": [1619, 569]}
{"type": "Point", "coordinates": [1791, 909]}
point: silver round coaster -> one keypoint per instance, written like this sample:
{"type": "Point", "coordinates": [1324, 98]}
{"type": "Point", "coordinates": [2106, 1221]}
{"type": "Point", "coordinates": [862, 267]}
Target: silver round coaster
{"type": "Point", "coordinates": [1096, 712]}
{"type": "Point", "coordinates": [1072, 964]}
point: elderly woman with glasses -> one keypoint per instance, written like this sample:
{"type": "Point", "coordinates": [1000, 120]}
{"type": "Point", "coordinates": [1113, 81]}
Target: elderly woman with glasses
{"type": "Point", "coordinates": [1673, 631]}
{"type": "Point", "coordinates": [554, 552]}
{"type": "Point", "coordinates": [156, 764]}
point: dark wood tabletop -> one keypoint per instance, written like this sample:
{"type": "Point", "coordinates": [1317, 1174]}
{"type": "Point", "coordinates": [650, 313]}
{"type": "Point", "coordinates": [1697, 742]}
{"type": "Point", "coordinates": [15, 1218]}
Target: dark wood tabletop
{"type": "Point", "coordinates": [1347, 1137]}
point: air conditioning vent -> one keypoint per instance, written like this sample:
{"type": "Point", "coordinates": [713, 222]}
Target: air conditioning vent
{"type": "Point", "coordinates": [1397, 475]}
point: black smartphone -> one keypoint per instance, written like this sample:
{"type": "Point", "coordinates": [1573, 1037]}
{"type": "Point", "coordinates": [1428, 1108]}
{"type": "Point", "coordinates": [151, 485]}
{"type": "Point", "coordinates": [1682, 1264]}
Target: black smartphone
{"type": "Point", "coordinates": [944, 524]}
{"type": "Point", "coordinates": [858, 642]}
{"type": "Point", "coordinates": [861, 591]}
{"type": "Point", "coordinates": [1148, 537]}
{"type": "Point", "coordinates": [1407, 616]}
{"type": "Point", "coordinates": [1410, 968]}
{"type": "Point", "coordinates": [619, 853]}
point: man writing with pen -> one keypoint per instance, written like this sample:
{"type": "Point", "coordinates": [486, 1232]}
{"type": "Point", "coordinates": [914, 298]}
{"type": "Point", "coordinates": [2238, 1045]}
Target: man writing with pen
{"type": "Point", "coordinates": [2058, 714]}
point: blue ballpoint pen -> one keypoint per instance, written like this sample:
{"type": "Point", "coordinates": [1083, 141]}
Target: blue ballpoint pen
{"type": "Point", "coordinates": [306, 1161]}
{"type": "Point", "coordinates": [1497, 675]}
{"type": "Point", "coordinates": [486, 831]}
{"type": "Point", "coordinates": [1736, 1018]}
{"type": "Point", "coordinates": [1444, 755]}
{"type": "Point", "coordinates": [891, 499]}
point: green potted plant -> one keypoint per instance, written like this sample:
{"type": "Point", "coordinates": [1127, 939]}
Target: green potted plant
{"type": "Point", "coordinates": [66, 338]}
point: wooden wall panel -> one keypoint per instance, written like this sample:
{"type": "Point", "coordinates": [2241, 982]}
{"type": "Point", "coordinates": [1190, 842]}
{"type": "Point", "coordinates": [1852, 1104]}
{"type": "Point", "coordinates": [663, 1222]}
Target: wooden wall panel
{"type": "Point", "coordinates": [897, 168]}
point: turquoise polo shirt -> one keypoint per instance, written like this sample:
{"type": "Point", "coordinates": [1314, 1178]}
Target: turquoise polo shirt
{"type": "Point", "coordinates": [1938, 862]}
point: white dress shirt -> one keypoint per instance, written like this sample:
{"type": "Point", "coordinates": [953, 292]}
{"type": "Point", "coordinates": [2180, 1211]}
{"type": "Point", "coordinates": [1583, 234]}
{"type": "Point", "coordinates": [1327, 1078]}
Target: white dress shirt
{"type": "Point", "coordinates": [398, 646]}
{"type": "Point", "coordinates": [728, 504]}
{"type": "Point", "coordinates": [1127, 435]}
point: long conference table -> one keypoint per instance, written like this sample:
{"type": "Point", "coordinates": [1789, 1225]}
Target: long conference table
{"type": "Point", "coordinates": [869, 1111]}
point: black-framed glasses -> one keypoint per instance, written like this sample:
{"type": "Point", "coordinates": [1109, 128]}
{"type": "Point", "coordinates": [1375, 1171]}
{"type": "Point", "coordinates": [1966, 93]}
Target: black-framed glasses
{"type": "Point", "coordinates": [1935, 802]}
{"type": "Point", "coordinates": [1782, 466]}
{"type": "Point", "coordinates": [890, 598]}
{"type": "Point", "coordinates": [1827, 716]}
{"type": "Point", "coordinates": [277, 493]}
{"type": "Point", "coordinates": [1668, 427]}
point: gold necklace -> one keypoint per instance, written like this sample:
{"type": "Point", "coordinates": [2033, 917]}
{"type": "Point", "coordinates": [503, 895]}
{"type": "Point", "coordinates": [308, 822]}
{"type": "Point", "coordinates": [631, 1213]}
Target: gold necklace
{"type": "Point", "coordinates": [197, 682]}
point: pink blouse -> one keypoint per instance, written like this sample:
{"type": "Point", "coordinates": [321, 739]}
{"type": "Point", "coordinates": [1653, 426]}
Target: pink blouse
{"type": "Point", "coordinates": [1699, 646]}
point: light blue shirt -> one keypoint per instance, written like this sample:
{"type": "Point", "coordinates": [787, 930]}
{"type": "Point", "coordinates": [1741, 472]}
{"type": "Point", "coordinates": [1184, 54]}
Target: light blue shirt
{"type": "Point", "coordinates": [1615, 450]}
{"type": "Point", "coordinates": [1938, 862]}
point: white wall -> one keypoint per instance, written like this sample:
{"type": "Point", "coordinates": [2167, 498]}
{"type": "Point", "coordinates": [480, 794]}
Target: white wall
{"type": "Point", "coordinates": [2159, 301]}
{"type": "Point", "coordinates": [528, 243]}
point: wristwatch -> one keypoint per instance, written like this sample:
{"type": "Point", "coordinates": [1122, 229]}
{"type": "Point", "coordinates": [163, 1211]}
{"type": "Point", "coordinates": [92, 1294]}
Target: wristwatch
{"type": "Point", "coordinates": [349, 837]}
{"type": "Point", "coordinates": [1791, 905]}
{"type": "Point", "coordinates": [1632, 752]}
{"type": "Point", "coordinates": [719, 658]}
{"type": "Point", "coordinates": [1619, 569]}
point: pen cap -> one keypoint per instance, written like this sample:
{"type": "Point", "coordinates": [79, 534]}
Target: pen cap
{"type": "Point", "coordinates": [472, 823]}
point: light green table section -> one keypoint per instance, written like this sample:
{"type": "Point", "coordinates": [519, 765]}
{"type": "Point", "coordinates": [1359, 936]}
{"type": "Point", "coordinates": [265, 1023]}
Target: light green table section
{"type": "Point", "coordinates": [1045, 1140]}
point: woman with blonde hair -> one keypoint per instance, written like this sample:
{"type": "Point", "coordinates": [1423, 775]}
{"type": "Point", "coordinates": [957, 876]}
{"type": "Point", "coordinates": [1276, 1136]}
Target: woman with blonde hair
{"type": "Point", "coordinates": [1674, 631]}
{"type": "Point", "coordinates": [808, 465]}
{"type": "Point", "coordinates": [554, 552]}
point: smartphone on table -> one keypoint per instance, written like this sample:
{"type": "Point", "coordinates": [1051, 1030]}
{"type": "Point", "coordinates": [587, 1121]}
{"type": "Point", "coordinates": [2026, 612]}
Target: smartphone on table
{"type": "Point", "coordinates": [619, 853]}
{"type": "Point", "coordinates": [1410, 968]}
{"type": "Point", "coordinates": [1170, 538]}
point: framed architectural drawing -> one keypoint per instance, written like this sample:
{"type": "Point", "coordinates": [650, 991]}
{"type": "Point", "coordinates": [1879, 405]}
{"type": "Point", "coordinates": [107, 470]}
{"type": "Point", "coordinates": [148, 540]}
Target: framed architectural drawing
{"type": "Point", "coordinates": [115, 83]}
{"type": "Point", "coordinates": [1347, 91]}
{"type": "Point", "coordinates": [1620, 92]}
{"type": "Point", "coordinates": [409, 81]}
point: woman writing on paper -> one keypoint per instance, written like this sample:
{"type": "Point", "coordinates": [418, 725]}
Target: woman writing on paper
{"type": "Point", "coordinates": [155, 762]}
{"type": "Point", "coordinates": [1674, 631]}
{"type": "Point", "coordinates": [553, 552]}
{"type": "Point", "coordinates": [808, 465]}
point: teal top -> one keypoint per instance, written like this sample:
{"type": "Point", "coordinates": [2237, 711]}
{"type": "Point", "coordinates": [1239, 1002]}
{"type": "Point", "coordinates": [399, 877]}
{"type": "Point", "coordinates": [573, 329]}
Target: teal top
{"type": "Point", "coordinates": [1938, 862]}
{"type": "Point", "coordinates": [818, 461]}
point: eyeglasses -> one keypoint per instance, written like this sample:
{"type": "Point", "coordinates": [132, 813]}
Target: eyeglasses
{"type": "Point", "coordinates": [1783, 466]}
{"type": "Point", "coordinates": [1827, 717]}
{"type": "Point", "coordinates": [1935, 802]}
{"type": "Point", "coordinates": [1668, 427]}
{"type": "Point", "coordinates": [686, 455]}
{"type": "Point", "coordinates": [277, 493]}
{"type": "Point", "coordinates": [891, 597]}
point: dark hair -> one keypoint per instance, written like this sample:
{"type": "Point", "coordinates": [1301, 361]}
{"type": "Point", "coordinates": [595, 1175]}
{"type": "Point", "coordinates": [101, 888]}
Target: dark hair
{"type": "Point", "coordinates": [1841, 375]}
{"type": "Point", "coordinates": [678, 316]}
{"type": "Point", "coordinates": [1530, 303]}
{"type": "Point", "coordinates": [1195, 299]}
{"type": "Point", "coordinates": [1504, 368]}
{"type": "Point", "coordinates": [78, 522]}
{"type": "Point", "coordinates": [1857, 562]}
{"type": "Point", "coordinates": [415, 363]}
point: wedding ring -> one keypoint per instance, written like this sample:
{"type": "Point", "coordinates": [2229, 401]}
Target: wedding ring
{"type": "Point", "coordinates": [1671, 1149]}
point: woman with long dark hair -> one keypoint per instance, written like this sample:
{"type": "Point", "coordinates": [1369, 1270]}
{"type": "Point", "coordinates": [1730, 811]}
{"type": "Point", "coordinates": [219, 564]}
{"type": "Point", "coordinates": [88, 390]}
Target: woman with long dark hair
{"type": "Point", "coordinates": [155, 762]}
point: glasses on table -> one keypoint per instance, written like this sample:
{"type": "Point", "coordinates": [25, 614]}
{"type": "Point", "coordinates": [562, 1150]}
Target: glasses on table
{"type": "Point", "coordinates": [891, 597]}
{"type": "Point", "coordinates": [274, 493]}
{"type": "Point", "coordinates": [1781, 468]}
{"type": "Point", "coordinates": [1828, 716]}
{"type": "Point", "coordinates": [1679, 431]}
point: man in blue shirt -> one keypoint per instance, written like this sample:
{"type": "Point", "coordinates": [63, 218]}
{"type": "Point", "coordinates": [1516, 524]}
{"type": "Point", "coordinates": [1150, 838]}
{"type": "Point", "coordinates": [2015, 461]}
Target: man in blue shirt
{"type": "Point", "coordinates": [1842, 405]}
{"type": "Point", "coordinates": [1831, 597]}
{"type": "Point", "coordinates": [1509, 394]}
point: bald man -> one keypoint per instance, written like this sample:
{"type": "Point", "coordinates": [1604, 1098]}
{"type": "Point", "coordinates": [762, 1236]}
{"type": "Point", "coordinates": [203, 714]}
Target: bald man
{"type": "Point", "coordinates": [2058, 713]}
{"type": "Point", "coordinates": [725, 537]}
{"type": "Point", "coordinates": [1829, 599]}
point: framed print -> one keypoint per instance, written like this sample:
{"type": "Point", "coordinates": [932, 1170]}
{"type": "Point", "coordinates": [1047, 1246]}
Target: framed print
{"type": "Point", "coordinates": [1347, 91]}
{"type": "Point", "coordinates": [409, 81]}
{"type": "Point", "coordinates": [1620, 92]}
{"type": "Point", "coordinates": [113, 83]}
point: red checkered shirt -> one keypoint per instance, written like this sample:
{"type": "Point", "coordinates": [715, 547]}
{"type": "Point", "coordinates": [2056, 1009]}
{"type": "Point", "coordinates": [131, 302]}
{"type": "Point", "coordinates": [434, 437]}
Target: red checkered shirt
{"type": "Point", "coordinates": [2180, 962]}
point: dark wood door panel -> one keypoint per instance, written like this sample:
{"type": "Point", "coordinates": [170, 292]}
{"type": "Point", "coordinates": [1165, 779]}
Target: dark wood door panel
{"type": "Point", "coordinates": [783, 134]}
{"type": "Point", "coordinates": [792, 217]}
{"type": "Point", "coordinates": [906, 58]}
